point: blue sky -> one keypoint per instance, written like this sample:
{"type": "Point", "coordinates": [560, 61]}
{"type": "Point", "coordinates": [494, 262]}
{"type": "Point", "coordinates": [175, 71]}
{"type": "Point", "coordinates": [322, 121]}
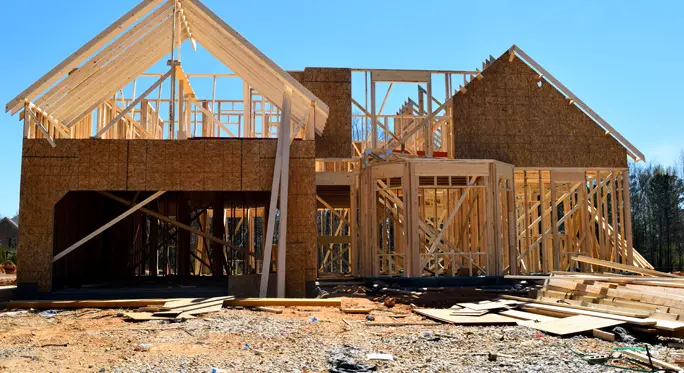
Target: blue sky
{"type": "Point", "coordinates": [623, 58]}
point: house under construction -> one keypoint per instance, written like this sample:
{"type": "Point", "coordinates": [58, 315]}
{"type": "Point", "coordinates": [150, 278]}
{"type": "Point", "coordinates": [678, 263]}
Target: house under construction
{"type": "Point", "coordinates": [132, 171]}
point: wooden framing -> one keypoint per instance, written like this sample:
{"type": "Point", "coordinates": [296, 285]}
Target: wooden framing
{"type": "Point", "coordinates": [413, 210]}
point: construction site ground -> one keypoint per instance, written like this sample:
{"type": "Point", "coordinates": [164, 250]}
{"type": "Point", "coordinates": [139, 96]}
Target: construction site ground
{"type": "Point", "coordinates": [300, 339]}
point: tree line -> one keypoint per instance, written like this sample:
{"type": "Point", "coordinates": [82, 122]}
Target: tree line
{"type": "Point", "coordinates": [657, 198]}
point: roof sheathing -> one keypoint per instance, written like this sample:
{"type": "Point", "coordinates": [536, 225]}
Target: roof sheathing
{"type": "Point", "coordinates": [631, 149]}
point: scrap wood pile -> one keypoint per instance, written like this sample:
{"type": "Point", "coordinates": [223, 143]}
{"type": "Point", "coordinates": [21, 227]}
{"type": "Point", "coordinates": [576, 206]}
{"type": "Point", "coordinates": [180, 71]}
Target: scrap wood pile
{"type": "Point", "coordinates": [605, 305]}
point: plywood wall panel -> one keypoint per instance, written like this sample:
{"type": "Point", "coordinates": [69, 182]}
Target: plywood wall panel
{"type": "Point", "coordinates": [332, 86]}
{"type": "Point", "coordinates": [191, 165]}
{"type": "Point", "coordinates": [507, 116]}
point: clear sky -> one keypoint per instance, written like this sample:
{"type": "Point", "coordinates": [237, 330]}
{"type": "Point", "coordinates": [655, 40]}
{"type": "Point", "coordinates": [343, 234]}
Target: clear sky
{"type": "Point", "coordinates": [623, 58]}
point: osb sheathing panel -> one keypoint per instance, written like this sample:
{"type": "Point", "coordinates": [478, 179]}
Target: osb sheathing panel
{"type": "Point", "coordinates": [301, 226]}
{"type": "Point", "coordinates": [332, 86]}
{"type": "Point", "coordinates": [507, 116]}
{"type": "Point", "coordinates": [192, 165]}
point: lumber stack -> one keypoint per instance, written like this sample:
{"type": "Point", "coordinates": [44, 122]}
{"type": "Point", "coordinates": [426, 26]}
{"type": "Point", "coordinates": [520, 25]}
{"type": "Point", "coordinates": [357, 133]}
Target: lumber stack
{"type": "Point", "coordinates": [654, 303]}
{"type": "Point", "coordinates": [179, 309]}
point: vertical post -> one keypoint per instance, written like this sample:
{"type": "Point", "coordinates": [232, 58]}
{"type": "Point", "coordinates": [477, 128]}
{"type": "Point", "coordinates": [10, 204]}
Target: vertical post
{"type": "Point", "coordinates": [412, 222]}
{"type": "Point", "coordinates": [279, 170]}
{"type": "Point", "coordinates": [206, 122]}
{"type": "Point", "coordinates": [27, 120]}
{"type": "Point", "coordinates": [218, 220]}
{"type": "Point", "coordinates": [154, 237]}
{"type": "Point", "coordinates": [310, 126]}
{"type": "Point", "coordinates": [143, 117]}
{"type": "Point", "coordinates": [554, 225]}
{"type": "Point", "coordinates": [183, 247]}
{"type": "Point", "coordinates": [247, 113]}
{"type": "Point", "coordinates": [528, 237]}
{"type": "Point", "coordinates": [546, 253]}
{"type": "Point", "coordinates": [429, 140]}
{"type": "Point", "coordinates": [182, 134]}
{"type": "Point", "coordinates": [613, 211]}
{"type": "Point", "coordinates": [353, 231]}
{"type": "Point", "coordinates": [491, 222]}
{"type": "Point", "coordinates": [172, 98]}
{"type": "Point", "coordinates": [284, 185]}
{"type": "Point", "coordinates": [374, 127]}
{"type": "Point", "coordinates": [628, 217]}
{"type": "Point", "coordinates": [511, 221]}
{"type": "Point", "coordinates": [587, 226]}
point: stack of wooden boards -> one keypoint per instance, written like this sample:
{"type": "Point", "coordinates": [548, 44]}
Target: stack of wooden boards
{"type": "Point", "coordinates": [179, 309]}
{"type": "Point", "coordinates": [649, 301]}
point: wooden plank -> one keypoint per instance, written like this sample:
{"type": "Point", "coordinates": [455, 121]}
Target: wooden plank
{"type": "Point", "coordinates": [467, 312]}
{"type": "Point", "coordinates": [617, 312]}
{"type": "Point", "coordinates": [623, 267]}
{"type": "Point", "coordinates": [273, 80]}
{"type": "Point", "coordinates": [106, 226]}
{"type": "Point", "coordinates": [268, 309]}
{"type": "Point", "coordinates": [59, 304]}
{"type": "Point", "coordinates": [606, 336]}
{"type": "Point", "coordinates": [445, 315]}
{"type": "Point", "coordinates": [408, 76]}
{"type": "Point", "coordinates": [574, 311]}
{"type": "Point", "coordinates": [286, 302]}
{"type": "Point", "coordinates": [181, 225]}
{"type": "Point", "coordinates": [271, 217]}
{"type": "Point", "coordinates": [286, 123]}
{"type": "Point", "coordinates": [196, 306]}
{"type": "Point", "coordinates": [357, 310]}
{"type": "Point", "coordinates": [490, 305]}
{"type": "Point", "coordinates": [571, 325]}
{"type": "Point", "coordinates": [650, 360]}
{"type": "Point", "coordinates": [82, 53]}
{"type": "Point", "coordinates": [527, 316]}
{"type": "Point", "coordinates": [148, 316]}
{"type": "Point", "coordinates": [656, 281]}
{"type": "Point", "coordinates": [628, 218]}
{"type": "Point", "coordinates": [130, 106]}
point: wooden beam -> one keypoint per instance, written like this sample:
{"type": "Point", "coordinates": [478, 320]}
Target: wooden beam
{"type": "Point", "coordinates": [40, 127]}
{"type": "Point", "coordinates": [284, 302]}
{"type": "Point", "coordinates": [108, 225]}
{"type": "Point", "coordinates": [81, 54]}
{"type": "Point", "coordinates": [284, 186]}
{"type": "Point", "coordinates": [131, 106]}
{"type": "Point", "coordinates": [179, 225]}
{"type": "Point", "coordinates": [623, 267]}
{"type": "Point", "coordinates": [283, 141]}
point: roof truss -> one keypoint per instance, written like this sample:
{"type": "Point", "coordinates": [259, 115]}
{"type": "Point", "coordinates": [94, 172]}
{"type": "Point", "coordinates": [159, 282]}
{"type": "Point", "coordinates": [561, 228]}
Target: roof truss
{"type": "Point", "coordinates": [146, 40]}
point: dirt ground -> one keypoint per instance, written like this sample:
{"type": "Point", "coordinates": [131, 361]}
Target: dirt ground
{"type": "Point", "coordinates": [301, 339]}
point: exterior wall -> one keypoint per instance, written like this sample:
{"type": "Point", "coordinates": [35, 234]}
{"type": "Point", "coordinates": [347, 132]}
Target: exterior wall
{"type": "Point", "coordinates": [507, 116]}
{"type": "Point", "coordinates": [149, 165]}
{"type": "Point", "coordinates": [332, 86]}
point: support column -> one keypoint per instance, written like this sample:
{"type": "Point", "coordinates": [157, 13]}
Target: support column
{"type": "Point", "coordinates": [628, 217]}
{"type": "Point", "coordinates": [154, 242]}
{"type": "Point", "coordinates": [218, 230]}
{"type": "Point", "coordinates": [183, 245]}
{"type": "Point", "coordinates": [353, 229]}
{"type": "Point", "coordinates": [554, 225]}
